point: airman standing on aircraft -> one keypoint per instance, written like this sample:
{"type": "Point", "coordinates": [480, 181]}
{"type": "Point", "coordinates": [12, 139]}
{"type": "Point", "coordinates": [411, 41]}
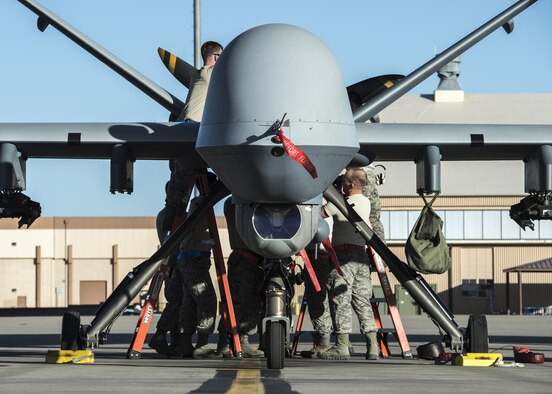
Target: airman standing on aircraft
{"type": "Point", "coordinates": [179, 184]}
{"type": "Point", "coordinates": [199, 84]}
{"type": "Point", "coordinates": [355, 287]}
{"type": "Point", "coordinates": [245, 277]}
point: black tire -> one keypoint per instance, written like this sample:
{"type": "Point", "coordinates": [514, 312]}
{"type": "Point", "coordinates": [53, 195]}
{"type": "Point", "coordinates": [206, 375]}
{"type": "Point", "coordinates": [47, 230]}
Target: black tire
{"type": "Point", "coordinates": [70, 331]}
{"type": "Point", "coordinates": [276, 345]}
{"type": "Point", "coordinates": [477, 333]}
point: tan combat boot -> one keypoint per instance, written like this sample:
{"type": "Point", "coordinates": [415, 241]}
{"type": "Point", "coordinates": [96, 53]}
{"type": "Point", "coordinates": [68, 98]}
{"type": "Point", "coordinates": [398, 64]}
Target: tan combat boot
{"type": "Point", "coordinates": [372, 346]}
{"type": "Point", "coordinates": [340, 351]}
{"type": "Point", "coordinates": [202, 349]}
{"type": "Point", "coordinates": [223, 348]}
{"type": "Point", "coordinates": [247, 350]}
{"type": "Point", "coordinates": [321, 344]}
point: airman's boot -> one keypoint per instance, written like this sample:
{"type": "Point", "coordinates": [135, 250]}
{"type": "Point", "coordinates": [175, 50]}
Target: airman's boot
{"type": "Point", "coordinates": [247, 350]}
{"type": "Point", "coordinates": [223, 349]}
{"type": "Point", "coordinates": [202, 349]}
{"type": "Point", "coordinates": [159, 342]}
{"type": "Point", "coordinates": [185, 348]}
{"type": "Point", "coordinates": [174, 346]}
{"type": "Point", "coordinates": [372, 345]}
{"type": "Point", "coordinates": [321, 344]}
{"type": "Point", "coordinates": [340, 351]}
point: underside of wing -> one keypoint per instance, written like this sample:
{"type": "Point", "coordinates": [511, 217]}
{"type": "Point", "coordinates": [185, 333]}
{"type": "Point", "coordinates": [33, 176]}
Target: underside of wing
{"type": "Point", "coordinates": [406, 142]}
{"type": "Point", "coordinates": [149, 141]}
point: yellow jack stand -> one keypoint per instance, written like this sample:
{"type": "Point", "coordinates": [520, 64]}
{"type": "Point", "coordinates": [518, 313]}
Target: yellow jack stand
{"type": "Point", "coordinates": [477, 359]}
{"type": "Point", "coordinates": [69, 357]}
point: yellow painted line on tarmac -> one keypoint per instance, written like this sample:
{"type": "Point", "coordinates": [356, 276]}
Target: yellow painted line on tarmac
{"type": "Point", "coordinates": [248, 378]}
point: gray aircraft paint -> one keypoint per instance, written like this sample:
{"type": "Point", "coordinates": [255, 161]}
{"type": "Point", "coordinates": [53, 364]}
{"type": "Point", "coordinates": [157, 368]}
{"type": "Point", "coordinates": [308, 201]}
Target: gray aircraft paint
{"type": "Point", "coordinates": [264, 73]}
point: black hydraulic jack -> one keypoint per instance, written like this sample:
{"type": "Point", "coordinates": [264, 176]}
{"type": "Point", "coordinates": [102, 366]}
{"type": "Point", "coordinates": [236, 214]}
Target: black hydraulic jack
{"type": "Point", "coordinates": [414, 283]}
{"type": "Point", "coordinates": [75, 336]}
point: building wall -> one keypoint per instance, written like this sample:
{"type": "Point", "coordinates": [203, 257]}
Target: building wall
{"type": "Point", "coordinates": [106, 249]}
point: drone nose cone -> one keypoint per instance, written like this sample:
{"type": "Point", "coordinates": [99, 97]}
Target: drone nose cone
{"type": "Point", "coordinates": [280, 65]}
{"type": "Point", "coordinates": [262, 74]}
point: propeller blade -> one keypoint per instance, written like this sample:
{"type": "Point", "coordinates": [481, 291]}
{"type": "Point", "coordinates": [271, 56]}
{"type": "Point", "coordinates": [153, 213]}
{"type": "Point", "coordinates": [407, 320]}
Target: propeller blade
{"type": "Point", "coordinates": [179, 68]}
{"type": "Point", "coordinates": [371, 87]}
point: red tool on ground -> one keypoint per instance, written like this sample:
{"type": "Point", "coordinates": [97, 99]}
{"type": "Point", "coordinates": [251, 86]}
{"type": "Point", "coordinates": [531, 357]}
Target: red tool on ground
{"type": "Point", "coordinates": [525, 356]}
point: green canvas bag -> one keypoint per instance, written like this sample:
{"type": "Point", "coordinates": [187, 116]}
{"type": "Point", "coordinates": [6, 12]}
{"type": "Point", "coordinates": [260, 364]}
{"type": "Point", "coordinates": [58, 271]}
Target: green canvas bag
{"type": "Point", "coordinates": [426, 247]}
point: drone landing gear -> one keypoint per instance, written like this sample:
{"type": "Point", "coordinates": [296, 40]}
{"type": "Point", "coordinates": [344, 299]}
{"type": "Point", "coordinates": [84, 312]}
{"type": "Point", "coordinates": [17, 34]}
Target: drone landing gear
{"type": "Point", "coordinates": [73, 350]}
{"type": "Point", "coordinates": [477, 336]}
{"type": "Point", "coordinates": [70, 331]}
{"type": "Point", "coordinates": [276, 344]}
{"type": "Point", "coordinates": [277, 323]}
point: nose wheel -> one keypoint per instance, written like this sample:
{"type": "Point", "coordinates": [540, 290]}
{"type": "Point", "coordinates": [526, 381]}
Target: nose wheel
{"type": "Point", "coordinates": [276, 343]}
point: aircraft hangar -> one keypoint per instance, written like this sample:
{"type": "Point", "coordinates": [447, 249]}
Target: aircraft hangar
{"type": "Point", "coordinates": [64, 261]}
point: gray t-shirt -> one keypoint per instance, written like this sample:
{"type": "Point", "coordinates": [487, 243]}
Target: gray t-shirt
{"type": "Point", "coordinates": [195, 101]}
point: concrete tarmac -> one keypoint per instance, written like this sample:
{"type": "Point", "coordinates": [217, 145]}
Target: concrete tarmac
{"type": "Point", "coordinates": [24, 342]}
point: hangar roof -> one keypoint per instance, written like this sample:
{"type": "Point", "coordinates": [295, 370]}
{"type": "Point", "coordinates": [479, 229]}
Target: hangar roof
{"type": "Point", "coordinates": [511, 108]}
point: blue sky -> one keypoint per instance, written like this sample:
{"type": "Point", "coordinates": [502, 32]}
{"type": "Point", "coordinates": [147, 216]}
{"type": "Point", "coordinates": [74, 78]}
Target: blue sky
{"type": "Point", "coordinates": [44, 77]}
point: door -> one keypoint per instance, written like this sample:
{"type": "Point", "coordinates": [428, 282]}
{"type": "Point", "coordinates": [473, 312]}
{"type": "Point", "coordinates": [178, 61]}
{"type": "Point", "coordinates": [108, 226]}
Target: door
{"type": "Point", "coordinates": [92, 292]}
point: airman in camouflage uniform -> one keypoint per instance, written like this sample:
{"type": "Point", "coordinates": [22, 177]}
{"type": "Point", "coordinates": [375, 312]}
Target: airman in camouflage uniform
{"type": "Point", "coordinates": [317, 303]}
{"type": "Point", "coordinates": [168, 322]}
{"type": "Point", "coordinates": [245, 278]}
{"type": "Point", "coordinates": [199, 302]}
{"type": "Point", "coordinates": [371, 192]}
{"type": "Point", "coordinates": [191, 299]}
{"type": "Point", "coordinates": [355, 287]}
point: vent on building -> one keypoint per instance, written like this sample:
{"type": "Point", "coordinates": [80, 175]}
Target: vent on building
{"type": "Point", "coordinates": [449, 91]}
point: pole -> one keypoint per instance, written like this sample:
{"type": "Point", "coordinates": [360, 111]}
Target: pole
{"type": "Point", "coordinates": [197, 34]}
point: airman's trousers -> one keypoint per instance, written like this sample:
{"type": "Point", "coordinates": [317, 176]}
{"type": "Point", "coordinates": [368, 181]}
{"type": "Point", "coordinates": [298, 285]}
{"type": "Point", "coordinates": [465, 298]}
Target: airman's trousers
{"type": "Point", "coordinates": [353, 289]}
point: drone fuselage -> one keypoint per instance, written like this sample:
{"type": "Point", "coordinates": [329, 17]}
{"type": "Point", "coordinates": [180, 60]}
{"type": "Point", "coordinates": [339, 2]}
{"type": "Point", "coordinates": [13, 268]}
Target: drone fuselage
{"type": "Point", "coordinates": [277, 78]}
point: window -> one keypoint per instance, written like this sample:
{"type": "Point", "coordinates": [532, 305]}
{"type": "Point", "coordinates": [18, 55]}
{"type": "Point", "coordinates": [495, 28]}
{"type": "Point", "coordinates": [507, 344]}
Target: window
{"type": "Point", "coordinates": [398, 225]}
{"type": "Point", "coordinates": [546, 229]}
{"type": "Point", "coordinates": [491, 225]}
{"type": "Point", "coordinates": [477, 288]}
{"type": "Point", "coordinates": [466, 224]}
{"type": "Point", "coordinates": [454, 224]}
{"type": "Point", "coordinates": [473, 224]}
{"type": "Point", "coordinates": [510, 229]}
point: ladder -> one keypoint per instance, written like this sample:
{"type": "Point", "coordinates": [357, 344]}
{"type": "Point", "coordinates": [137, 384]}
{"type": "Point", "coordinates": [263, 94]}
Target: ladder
{"type": "Point", "coordinates": [391, 300]}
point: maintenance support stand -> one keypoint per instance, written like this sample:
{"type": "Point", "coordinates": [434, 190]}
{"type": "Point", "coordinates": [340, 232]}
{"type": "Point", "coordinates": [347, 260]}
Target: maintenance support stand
{"type": "Point", "coordinates": [391, 300]}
